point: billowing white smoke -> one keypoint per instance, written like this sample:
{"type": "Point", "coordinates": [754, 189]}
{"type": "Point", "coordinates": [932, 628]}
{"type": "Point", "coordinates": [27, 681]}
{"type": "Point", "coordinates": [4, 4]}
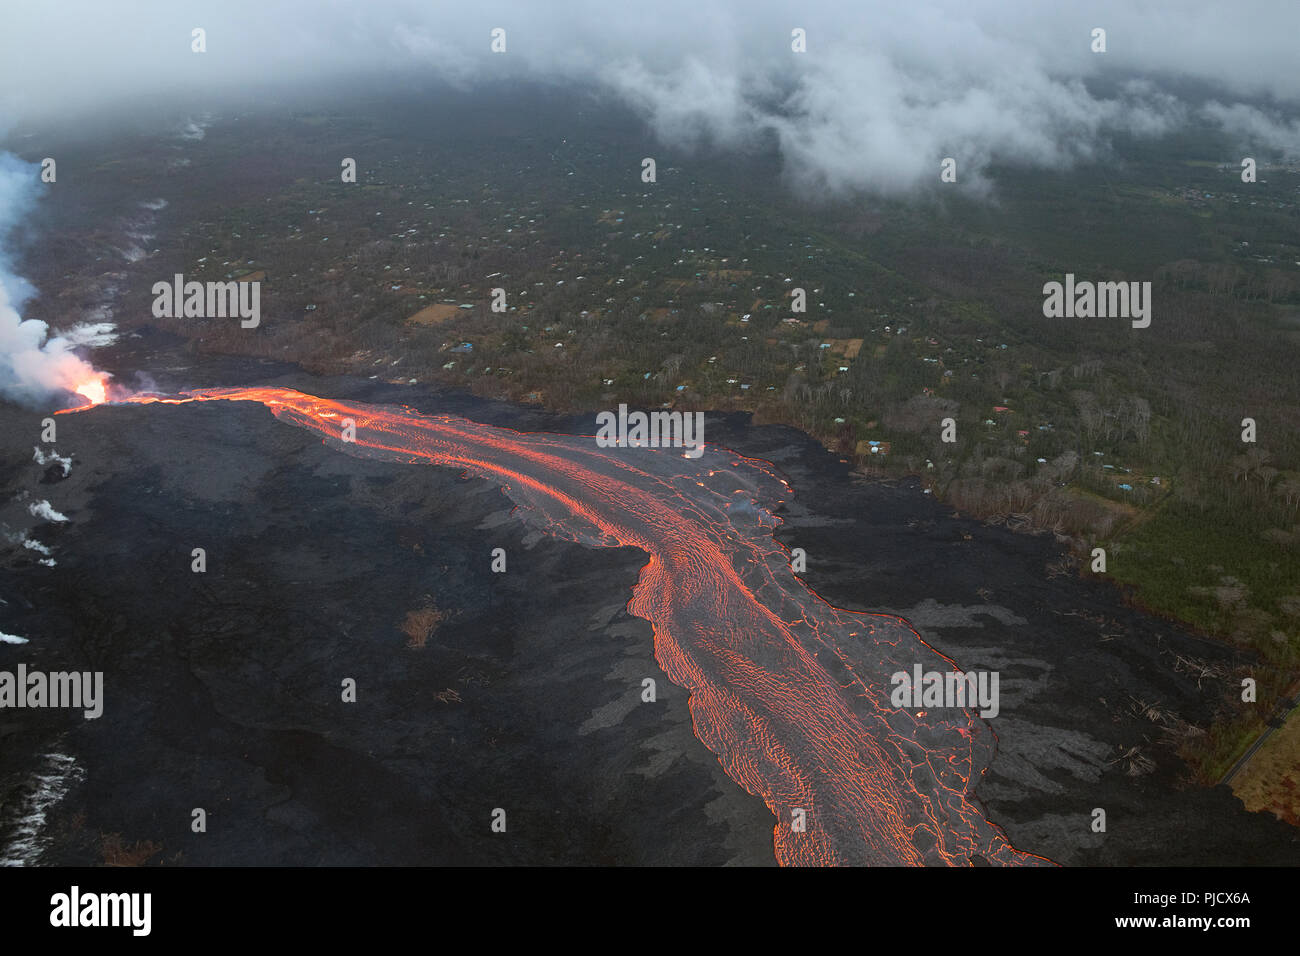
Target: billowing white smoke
{"type": "Point", "coordinates": [34, 368]}
{"type": "Point", "coordinates": [45, 511]}
{"type": "Point", "coordinates": [92, 334]}
{"type": "Point", "coordinates": [42, 458]}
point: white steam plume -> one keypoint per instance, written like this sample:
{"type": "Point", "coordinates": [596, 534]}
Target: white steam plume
{"type": "Point", "coordinates": [45, 511]}
{"type": "Point", "coordinates": [33, 367]}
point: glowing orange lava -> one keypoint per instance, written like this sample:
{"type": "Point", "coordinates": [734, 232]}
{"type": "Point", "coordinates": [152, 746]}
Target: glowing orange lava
{"type": "Point", "coordinates": [791, 693]}
{"type": "Point", "coordinates": [93, 389]}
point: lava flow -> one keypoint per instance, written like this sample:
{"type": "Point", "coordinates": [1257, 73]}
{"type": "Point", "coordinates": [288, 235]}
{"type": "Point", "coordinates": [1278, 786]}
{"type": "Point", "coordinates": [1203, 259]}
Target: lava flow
{"type": "Point", "coordinates": [791, 693]}
{"type": "Point", "coordinates": [94, 390]}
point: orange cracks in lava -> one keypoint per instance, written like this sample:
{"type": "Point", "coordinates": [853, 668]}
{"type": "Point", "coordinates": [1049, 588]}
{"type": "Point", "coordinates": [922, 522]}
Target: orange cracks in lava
{"type": "Point", "coordinates": [787, 690]}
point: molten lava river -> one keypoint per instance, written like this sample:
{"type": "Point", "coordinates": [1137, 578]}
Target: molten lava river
{"type": "Point", "coordinates": [791, 693]}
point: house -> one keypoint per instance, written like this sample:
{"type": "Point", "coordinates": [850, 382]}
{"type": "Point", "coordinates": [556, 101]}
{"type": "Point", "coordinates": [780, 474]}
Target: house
{"type": "Point", "coordinates": [873, 448]}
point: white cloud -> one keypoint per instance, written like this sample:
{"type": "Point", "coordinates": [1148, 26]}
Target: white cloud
{"type": "Point", "coordinates": [884, 92]}
{"type": "Point", "coordinates": [1255, 128]}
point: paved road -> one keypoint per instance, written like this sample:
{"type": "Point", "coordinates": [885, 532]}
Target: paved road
{"type": "Point", "coordinates": [1290, 702]}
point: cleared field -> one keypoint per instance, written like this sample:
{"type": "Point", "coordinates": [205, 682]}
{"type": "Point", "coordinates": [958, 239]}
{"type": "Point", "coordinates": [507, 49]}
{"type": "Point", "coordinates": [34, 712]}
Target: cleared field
{"type": "Point", "coordinates": [1271, 781]}
{"type": "Point", "coordinates": [434, 314]}
{"type": "Point", "coordinates": [848, 348]}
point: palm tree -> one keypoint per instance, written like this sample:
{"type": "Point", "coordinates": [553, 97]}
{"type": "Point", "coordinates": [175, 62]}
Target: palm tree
{"type": "Point", "coordinates": [1242, 466]}
{"type": "Point", "coordinates": [1289, 488]}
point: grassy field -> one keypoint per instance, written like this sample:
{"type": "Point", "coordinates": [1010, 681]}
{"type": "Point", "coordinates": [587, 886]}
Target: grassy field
{"type": "Point", "coordinates": [1271, 781]}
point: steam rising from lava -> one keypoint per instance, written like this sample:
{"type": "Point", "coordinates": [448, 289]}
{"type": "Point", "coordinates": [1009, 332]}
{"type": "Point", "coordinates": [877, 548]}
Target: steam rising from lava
{"type": "Point", "coordinates": [33, 366]}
